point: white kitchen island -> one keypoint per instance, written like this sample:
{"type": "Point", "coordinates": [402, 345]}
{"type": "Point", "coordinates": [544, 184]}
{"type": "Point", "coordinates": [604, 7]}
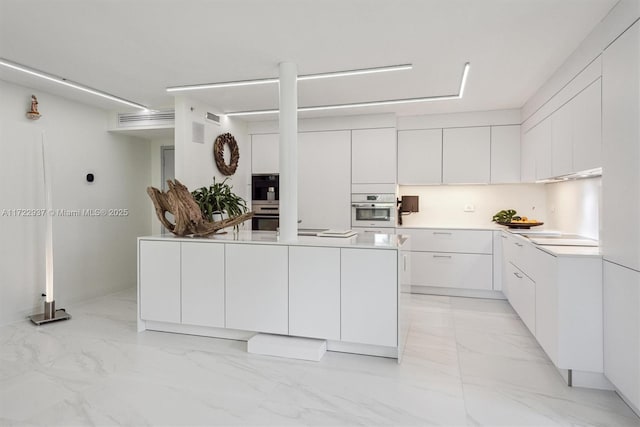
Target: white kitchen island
{"type": "Point", "coordinates": [343, 290]}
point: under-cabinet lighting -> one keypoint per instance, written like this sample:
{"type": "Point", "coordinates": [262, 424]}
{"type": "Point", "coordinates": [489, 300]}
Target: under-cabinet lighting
{"type": "Point", "coordinates": [68, 83]}
{"type": "Point", "coordinates": [463, 82]}
{"type": "Point", "coordinates": [273, 80]}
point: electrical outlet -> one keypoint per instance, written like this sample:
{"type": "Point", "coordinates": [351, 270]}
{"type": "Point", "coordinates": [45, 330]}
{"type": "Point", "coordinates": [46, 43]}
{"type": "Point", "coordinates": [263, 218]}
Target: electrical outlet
{"type": "Point", "coordinates": [469, 208]}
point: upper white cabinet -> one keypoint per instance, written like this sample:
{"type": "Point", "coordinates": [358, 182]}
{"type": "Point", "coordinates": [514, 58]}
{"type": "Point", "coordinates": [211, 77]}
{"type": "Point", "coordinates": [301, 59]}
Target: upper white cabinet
{"type": "Point", "coordinates": [527, 157]}
{"type": "Point", "coordinates": [420, 157]}
{"type": "Point", "coordinates": [620, 235]}
{"type": "Point", "coordinates": [160, 281]}
{"type": "Point", "coordinates": [505, 154]}
{"type": "Point", "coordinates": [324, 179]}
{"type": "Point", "coordinates": [257, 296]}
{"type": "Point", "coordinates": [542, 146]}
{"type": "Point", "coordinates": [466, 155]}
{"type": "Point", "coordinates": [621, 150]}
{"type": "Point", "coordinates": [587, 128]}
{"type": "Point", "coordinates": [373, 156]}
{"type": "Point", "coordinates": [561, 141]}
{"type": "Point", "coordinates": [265, 153]}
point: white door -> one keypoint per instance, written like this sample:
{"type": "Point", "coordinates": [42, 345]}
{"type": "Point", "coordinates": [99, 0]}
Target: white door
{"type": "Point", "coordinates": [420, 157]}
{"type": "Point", "coordinates": [466, 155]}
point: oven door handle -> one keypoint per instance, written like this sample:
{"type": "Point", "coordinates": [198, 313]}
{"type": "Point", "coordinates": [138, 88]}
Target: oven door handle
{"type": "Point", "coordinates": [372, 205]}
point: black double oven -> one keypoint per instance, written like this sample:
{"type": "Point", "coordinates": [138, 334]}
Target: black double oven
{"type": "Point", "coordinates": [265, 202]}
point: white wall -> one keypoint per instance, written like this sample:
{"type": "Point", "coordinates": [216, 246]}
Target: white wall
{"type": "Point", "coordinates": [443, 205]}
{"type": "Point", "coordinates": [92, 255]}
{"type": "Point", "coordinates": [195, 166]}
{"type": "Point", "coordinates": [574, 206]}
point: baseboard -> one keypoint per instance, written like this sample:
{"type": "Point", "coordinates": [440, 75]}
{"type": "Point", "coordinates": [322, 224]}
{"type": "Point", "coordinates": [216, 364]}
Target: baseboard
{"type": "Point", "coordinates": [457, 292]}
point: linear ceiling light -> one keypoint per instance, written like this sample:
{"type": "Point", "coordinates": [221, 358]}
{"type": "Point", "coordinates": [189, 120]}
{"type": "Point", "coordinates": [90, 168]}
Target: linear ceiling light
{"type": "Point", "coordinates": [300, 78]}
{"type": "Point", "coordinates": [68, 83]}
{"type": "Point", "coordinates": [463, 83]}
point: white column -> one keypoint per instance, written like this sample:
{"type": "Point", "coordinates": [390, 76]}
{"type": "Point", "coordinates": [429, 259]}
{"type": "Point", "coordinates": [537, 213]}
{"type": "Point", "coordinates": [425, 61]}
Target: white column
{"type": "Point", "coordinates": [288, 151]}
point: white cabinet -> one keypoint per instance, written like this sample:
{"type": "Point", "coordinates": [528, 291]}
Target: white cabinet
{"type": "Point", "coordinates": [528, 157]}
{"type": "Point", "coordinates": [369, 296]}
{"type": "Point", "coordinates": [451, 270]}
{"type": "Point", "coordinates": [324, 180]}
{"type": "Point", "coordinates": [587, 128]}
{"type": "Point", "coordinates": [314, 292]}
{"type": "Point", "coordinates": [621, 150]}
{"type": "Point", "coordinates": [202, 299]}
{"type": "Point", "coordinates": [546, 303]}
{"type": "Point", "coordinates": [373, 156]}
{"type": "Point", "coordinates": [505, 154]}
{"type": "Point", "coordinates": [522, 295]}
{"type": "Point", "coordinates": [159, 264]}
{"type": "Point", "coordinates": [622, 330]}
{"type": "Point", "coordinates": [257, 288]}
{"type": "Point", "coordinates": [420, 157]}
{"type": "Point", "coordinates": [450, 258]}
{"type": "Point", "coordinates": [561, 141]}
{"type": "Point", "coordinates": [466, 155]}
{"type": "Point", "coordinates": [542, 146]}
{"type": "Point", "coordinates": [265, 153]}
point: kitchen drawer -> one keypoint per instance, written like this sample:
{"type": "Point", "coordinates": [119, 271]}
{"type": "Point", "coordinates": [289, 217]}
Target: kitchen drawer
{"type": "Point", "coordinates": [450, 270]}
{"type": "Point", "coordinates": [447, 240]}
{"type": "Point", "coordinates": [517, 251]}
{"type": "Point", "coordinates": [522, 295]}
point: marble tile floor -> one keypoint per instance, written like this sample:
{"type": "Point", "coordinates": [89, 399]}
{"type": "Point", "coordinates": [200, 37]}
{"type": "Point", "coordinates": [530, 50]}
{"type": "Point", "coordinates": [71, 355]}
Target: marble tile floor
{"type": "Point", "coordinates": [468, 362]}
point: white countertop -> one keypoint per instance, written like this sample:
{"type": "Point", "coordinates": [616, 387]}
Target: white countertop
{"type": "Point", "coordinates": [490, 227]}
{"type": "Point", "coordinates": [364, 240]}
{"type": "Point", "coordinates": [568, 251]}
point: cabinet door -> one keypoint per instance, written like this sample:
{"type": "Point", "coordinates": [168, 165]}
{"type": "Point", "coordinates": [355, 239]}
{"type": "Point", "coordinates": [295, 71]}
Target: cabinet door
{"type": "Point", "coordinates": [587, 128]}
{"type": "Point", "coordinates": [622, 330]}
{"type": "Point", "coordinates": [373, 156]}
{"type": "Point", "coordinates": [505, 154]}
{"type": "Point", "coordinates": [528, 157]}
{"type": "Point", "coordinates": [466, 155]}
{"type": "Point", "coordinates": [257, 288]}
{"type": "Point", "coordinates": [621, 150]}
{"type": "Point", "coordinates": [546, 303]}
{"type": "Point", "coordinates": [522, 296]}
{"type": "Point", "coordinates": [449, 270]}
{"type": "Point", "coordinates": [324, 198]}
{"type": "Point", "coordinates": [420, 157]}
{"type": "Point", "coordinates": [369, 296]}
{"type": "Point", "coordinates": [450, 240]}
{"type": "Point", "coordinates": [314, 292]}
{"type": "Point", "coordinates": [265, 153]}
{"type": "Point", "coordinates": [541, 136]}
{"type": "Point", "coordinates": [159, 281]}
{"type": "Point", "coordinates": [561, 141]}
{"type": "Point", "coordinates": [203, 284]}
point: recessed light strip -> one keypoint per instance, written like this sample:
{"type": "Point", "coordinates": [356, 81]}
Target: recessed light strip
{"type": "Point", "coordinates": [68, 83]}
{"type": "Point", "coordinates": [273, 80]}
{"type": "Point", "coordinates": [463, 83]}
{"type": "Point", "coordinates": [352, 105]}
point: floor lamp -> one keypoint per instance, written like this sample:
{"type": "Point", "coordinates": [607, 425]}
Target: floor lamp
{"type": "Point", "coordinates": [50, 313]}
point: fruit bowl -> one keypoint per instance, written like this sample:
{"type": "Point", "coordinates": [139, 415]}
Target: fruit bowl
{"type": "Point", "coordinates": [522, 225]}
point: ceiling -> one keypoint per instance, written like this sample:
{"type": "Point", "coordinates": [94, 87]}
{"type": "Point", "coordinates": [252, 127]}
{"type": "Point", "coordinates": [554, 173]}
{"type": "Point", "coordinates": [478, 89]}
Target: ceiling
{"type": "Point", "coordinates": [135, 49]}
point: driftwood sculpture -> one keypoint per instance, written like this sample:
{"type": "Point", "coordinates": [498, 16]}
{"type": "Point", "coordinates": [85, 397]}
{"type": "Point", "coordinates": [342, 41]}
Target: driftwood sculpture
{"type": "Point", "coordinates": [188, 216]}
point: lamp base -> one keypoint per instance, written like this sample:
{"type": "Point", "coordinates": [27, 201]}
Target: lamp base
{"type": "Point", "coordinates": [50, 314]}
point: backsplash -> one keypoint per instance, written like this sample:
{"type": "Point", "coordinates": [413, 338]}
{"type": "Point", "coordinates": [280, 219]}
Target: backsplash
{"type": "Point", "coordinates": [443, 205]}
{"type": "Point", "coordinates": [574, 206]}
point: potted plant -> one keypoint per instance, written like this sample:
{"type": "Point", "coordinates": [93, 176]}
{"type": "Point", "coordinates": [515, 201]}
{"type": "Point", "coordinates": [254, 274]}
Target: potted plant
{"type": "Point", "coordinates": [218, 200]}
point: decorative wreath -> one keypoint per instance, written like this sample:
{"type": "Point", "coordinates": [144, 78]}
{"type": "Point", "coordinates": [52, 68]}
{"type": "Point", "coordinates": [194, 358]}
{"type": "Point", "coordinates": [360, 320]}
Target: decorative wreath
{"type": "Point", "coordinates": [218, 153]}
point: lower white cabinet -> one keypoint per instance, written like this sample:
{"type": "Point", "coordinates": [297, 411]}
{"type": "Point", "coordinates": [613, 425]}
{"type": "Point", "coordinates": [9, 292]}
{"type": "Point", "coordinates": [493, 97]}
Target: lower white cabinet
{"type": "Point", "coordinates": [622, 330]}
{"type": "Point", "coordinates": [452, 270]}
{"type": "Point", "coordinates": [202, 284]}
{"type": "Point", "coordinates": [369, 297]}
{"type": "Point", "coordinates": [522, 295]}
{"type": "Point", "coordinates": [257, 288]}
{"type": "Point", "coordinates": [159, 281]}
{"type": "Point", "coordinates": [314, 292]}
